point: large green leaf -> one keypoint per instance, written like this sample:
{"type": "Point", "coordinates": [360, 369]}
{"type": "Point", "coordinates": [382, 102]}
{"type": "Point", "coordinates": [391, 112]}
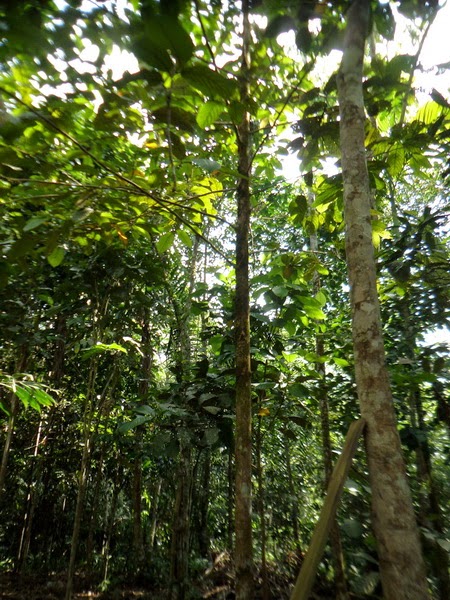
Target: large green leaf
{"type": "Point", "coordinates": [165, 242]}
{"type": "Point", "coordinates": [100, 348]}
{"type": "Point", "coordinates": [211, 83]}
{"type": "Point", "coordinates": [175, 116]}
{"type": "Point", "coordinates": [56, 257]}
{"type": "Point", "coordinates": [209, 113]}
{"type": "Point", "coordinates": [162, 40]}
{"type": "Point", "coordinates": [29, 392]}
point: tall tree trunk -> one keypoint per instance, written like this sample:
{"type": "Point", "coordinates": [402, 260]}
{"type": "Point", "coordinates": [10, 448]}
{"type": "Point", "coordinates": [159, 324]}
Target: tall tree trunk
{"type": "Point", "coordinates": [179, 557]}
{"type": "Point", "coordinates": [243, 554]}
{"type": "Point", "coordinates": [293, 495]}
{"type": "Point", "coordinates": [154, 511]}
{"type": "Point", "coordinates": [181, 526]}
{"type": "Point", "coordinates": [203, 504]}
{"type": "Point", "coordinates": [430, 515]}
{"type": "Point", "coordinates": [230, 496]}
{"type": "Point", "coordinates": [335, 535]}
{"type": "Point", "coordinates": [93, 512]}
{"type": "Point", "coordinates": [103, 416]}
{"type": "Point", "coordinates": [14, 409]}
{"type": "Point", "coordinates": [83, 475]}
{"type": "Point", "coordinates": [31, 501]}
{"type": "Point", "coordinates": [44, 428]}
{"type": "Point", "coordinates": [117, 486]}
{"type": "Point", "coordinates": [146, 367]}
{"type": "Point", "coordinates": [265, 590]}
{"type": "Point", "coordinates": [401, 563]}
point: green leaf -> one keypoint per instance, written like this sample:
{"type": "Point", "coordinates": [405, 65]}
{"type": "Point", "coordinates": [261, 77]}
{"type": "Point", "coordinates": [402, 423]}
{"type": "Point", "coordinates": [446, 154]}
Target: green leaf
{"type": "Point", "coordinates": [141, 420]}
{"type": "Point", "coordinates": [162, 38]}
{"type": "Point", "coordinates": [280, 291]}
{"type": "Point", "coordinates": [175, 116]}
{"type": "Point", "coordinates": [165, 242]}
{"type": "Point", "coordinates": [396, 160]}
{"type": "Point", "coordinates": [33, 223]}
{"type": "Point", "coordinates": [299, 390]}
{"type": "Point", "coordinates": [101, 348]}
{"type": "Point", "coordinates": [185, 237]}
{"type": "Point", "coordinates": [340, 362]}
{"type": "Point", "coordinates": [213, 410]}
{"type": "Point", "coordinates": [209, 113]}
{"type": "Point", "coordinates": [145, 410]}
{"type": "Point", "coordinates": [298, 209]}
{"type": "Point", "coordinates": [321, 298]}
{"type": "Point", "coordinates": [439, 98]}
{"type": "Point", "coordinates": [56, 257]}
{"type": "Point", "coordinates": [314, 312]}
{"type": "Point", "coordinates": [236, 110]}
{"type": "Point", "coordinates": [289, 357]}
{"type": "Point", "coordinates": [210, 436]}
{"type": "Point", "coordinates": [29, 393]}
{"type": "Point", "coordinates": [151, 54]}
{"type": "Point", "coordinates": [279, 24]}
{"type": "Point", "coordinates": [352, 528]}
{"type": "Point", "coordinates": [207, 164]}
{"type": "Point", "coordinates": [429, 113]}
{"type": "Point", "coordinates": [209, 82]}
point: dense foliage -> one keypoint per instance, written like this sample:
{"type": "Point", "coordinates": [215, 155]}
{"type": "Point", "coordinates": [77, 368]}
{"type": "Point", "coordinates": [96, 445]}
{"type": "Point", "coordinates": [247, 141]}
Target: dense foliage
{"type": "Point", "coordinates": [118, 171]}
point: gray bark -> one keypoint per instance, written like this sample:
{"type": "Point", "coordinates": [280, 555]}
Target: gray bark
{"type": "Point", "coordinates": [400, 557]}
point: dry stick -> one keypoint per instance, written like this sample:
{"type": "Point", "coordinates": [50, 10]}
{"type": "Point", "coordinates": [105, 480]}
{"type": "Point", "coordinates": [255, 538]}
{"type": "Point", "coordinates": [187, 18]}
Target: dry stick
{"type": "Point", "coordinates": [308, 571]}
{"type": "Point", "coordinates": [119, 176]}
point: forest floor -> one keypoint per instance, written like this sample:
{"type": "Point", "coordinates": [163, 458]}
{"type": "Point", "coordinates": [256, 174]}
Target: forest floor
{"type": "Point", "coordinates": [52, 587]}
{"type": "Point", "coordinates": [215, 583]}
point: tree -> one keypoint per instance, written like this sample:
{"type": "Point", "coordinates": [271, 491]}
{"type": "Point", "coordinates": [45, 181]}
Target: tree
{"type": "Point", "coordinates": [401, 563]}
{"type": "Point", "coordinates": [152, 247]}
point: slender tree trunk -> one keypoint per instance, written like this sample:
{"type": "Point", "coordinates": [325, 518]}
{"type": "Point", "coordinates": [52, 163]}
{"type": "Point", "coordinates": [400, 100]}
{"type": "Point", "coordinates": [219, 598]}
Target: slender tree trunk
{"type": "Point", "coordinates": [14, 409]}
{"type": "Point", "coordinates": [110, 520]}
{"type": "Point", "coordinates": [154, 511]}
{"type": "Point", "coordinates": [30, 506]}
{"type": "Point", "coordinates": [94, 512]}
{"type": "Point", "coordinates": [431, 512]}
{"type": "Point", "coordinates": [103, 413]}
{"type": "Point", "coordinates": [179, 559]}
{"type": "Point", "coordinates": [203, 505]}
{"type": "Point", "coordinates": [230, 497]}
{"type": "Point", "coordinates": [42, 433]}
{"type": "Point", "coordinates": [83, 476]}
{"type": "Point", "coordinates": [293, 495]}
{"type": "Point", "coordinates": [335, 535]}
{"type": "Point", "coordinates": [243, 555]}
{"type": "Point", "coordinates": [265, 590]}
{"type": "Point", "coordinates": [181, 526]}
{"type": "Point", "coordinates": [401, 563]}
{"type": "Point", "coordinates": [138, 535]}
